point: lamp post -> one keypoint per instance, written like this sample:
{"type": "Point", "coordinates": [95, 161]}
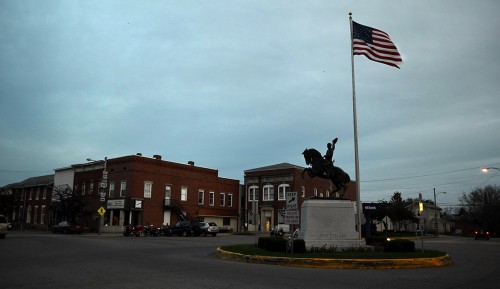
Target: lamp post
{"type": "Point", "coordinates": [435, 209]}
{"type": "Point", "coordinates": [102, 194]}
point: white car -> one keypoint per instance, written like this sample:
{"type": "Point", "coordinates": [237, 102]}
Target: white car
{"type": "Point", "coordinates": [209, 228]}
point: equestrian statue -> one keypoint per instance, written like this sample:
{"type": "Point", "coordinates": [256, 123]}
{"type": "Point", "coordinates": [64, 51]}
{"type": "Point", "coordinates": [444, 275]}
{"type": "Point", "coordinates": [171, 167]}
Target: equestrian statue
{"type": "Point", "coordinates": [323, 167]}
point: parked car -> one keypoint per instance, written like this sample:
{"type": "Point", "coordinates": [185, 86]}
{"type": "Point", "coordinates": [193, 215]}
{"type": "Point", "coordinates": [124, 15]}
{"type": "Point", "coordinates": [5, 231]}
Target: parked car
{"type": "Point", "coordinates": [4, 226]}
{"type": "Point", "coordinates": [185, 228]}
{"type": "Point", "coordinates": [481, 233]}
{"type": "Point", "coordinates": [66, 228]}
{"type": "Point", "coordinates": [209, 228]}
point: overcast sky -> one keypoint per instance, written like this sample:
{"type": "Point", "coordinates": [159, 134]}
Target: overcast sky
{"type": "Point", "coordinates": [237, 85]}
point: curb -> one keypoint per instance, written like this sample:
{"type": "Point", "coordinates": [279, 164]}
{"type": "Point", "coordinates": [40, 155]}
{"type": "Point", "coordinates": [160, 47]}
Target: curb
{"type": "Point", "coordinates": [338, 263]}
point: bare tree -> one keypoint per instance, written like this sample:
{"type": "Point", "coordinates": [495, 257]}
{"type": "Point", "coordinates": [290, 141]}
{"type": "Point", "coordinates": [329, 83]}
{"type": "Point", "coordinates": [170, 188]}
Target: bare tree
{"type": "Point", "coordinates": [399, 213]}
{"type": "Point", "coordinates": [65, 203]}
{"type": "Point", "coordinates": [483, 205]}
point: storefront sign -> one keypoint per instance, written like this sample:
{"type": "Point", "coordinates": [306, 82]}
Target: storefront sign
{"type": "Point", "coordinates": [116, 204]}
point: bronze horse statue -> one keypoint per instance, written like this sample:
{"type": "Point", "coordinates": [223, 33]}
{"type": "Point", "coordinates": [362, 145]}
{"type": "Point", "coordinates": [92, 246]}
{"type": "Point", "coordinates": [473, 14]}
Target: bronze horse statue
{"type": "Point", "coordinates": [318, 168]}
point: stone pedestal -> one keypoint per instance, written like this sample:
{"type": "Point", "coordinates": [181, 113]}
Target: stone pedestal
{"type": "Point", "coordinates": [329, 224]}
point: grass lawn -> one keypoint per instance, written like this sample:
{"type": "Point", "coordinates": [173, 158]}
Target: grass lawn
{"type": "Point", "coordinates": [251, 249]}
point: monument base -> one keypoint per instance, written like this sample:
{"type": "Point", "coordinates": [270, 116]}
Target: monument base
{"type": "Point", "coordinates": [329, 224]}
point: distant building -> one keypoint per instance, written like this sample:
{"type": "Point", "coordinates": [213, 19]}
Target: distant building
{"type": "Point", "coordinates": [266, 188]}
{"type": "Point", "coordinates": [30, 202]}
{"type": "Point", "coordinates": [131, 190]}
{"type": "Point", "coordinates": [431, 219]}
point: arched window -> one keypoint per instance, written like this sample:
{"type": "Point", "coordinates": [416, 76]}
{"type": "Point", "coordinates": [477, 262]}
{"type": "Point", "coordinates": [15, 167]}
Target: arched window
{"type": "Point", "coordinates": [268, 193]}
{"type": "Point", "coordinates": [253, 193]}
{"type": "Point", "coordinates": [28, 215]}
{"type": "Point", "coordinates": [282, 190]}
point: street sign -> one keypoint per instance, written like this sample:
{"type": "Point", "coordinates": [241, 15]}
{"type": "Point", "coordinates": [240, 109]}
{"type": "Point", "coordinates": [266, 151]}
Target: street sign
{"type": "Point", "coordinates": [292, 217]}
{"type": "Point", "coordinates": [291, 201]}
{"type": "Point", "coordinates": [101, 211]}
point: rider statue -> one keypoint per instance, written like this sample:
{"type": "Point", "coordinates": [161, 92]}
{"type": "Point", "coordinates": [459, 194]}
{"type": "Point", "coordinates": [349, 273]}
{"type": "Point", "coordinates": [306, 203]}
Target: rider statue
{"type": "Point", "coordinates": [329, 156]}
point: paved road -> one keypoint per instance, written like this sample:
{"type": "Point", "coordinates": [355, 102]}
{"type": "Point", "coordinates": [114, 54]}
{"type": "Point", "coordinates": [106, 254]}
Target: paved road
{"type": "Point", "coordinates": [45, 260]}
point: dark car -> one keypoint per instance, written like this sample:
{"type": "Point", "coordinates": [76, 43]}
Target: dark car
{"type": "Point", "coordinates": [66, 228]}
{"type": "Point", "coordinates": [4, 227]}
{"type": "Point", "coordinates": [481, 234]}
{"type": "Point", "coordinates": [209, 228]}
{"type": "Point", "coordinates": [185, 228]}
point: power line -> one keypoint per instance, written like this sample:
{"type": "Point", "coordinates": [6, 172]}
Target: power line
{"type": "Point", "coordinates": [426, 175]}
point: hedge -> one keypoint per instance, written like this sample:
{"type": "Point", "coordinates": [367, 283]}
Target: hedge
{"type": "Point", "coordinates": [399, 245]}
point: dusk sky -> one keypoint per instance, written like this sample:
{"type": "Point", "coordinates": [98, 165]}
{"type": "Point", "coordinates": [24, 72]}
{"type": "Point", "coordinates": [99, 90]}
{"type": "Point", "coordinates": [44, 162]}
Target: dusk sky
{"type": "Point", "coordinates": [237, 85]}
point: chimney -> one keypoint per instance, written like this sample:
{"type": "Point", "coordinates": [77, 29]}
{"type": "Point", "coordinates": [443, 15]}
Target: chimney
{"type": "Point", "coordinates": [157, 157]}
{"type": "Point", "coordinates": [139, 154]}
{"type": "Point", "coordinates": [191, 163]}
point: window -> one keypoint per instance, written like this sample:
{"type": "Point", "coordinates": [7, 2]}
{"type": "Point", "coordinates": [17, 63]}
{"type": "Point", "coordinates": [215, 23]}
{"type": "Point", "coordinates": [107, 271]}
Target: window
{"type": "Point", "coordinates": [37, 196]}
{"type": "Point", "coordinates": [229, 199]}
{"type": "Point", "coordinates": [201, 197]}
{"type": "Point", "coordinates": [211, 198]}
{"type": "Point", "coordinates": [222, 199]}
{"type": "Point", "coordinates": [35, 215]}
{"type": "Point", "coordinates": [282, 190]}
{"type": "Point", "coordinates": [42, 215]}
{"type": "Point", "coordinates": [31, 194]}
{"type": "Point", "coordinates": [268, 193]}
{"type": "Point", "coordinates": [44, 195]}
{"type": "Point", "coordinates": [91, 187]}
{"type": "Point", "coordinates": [111, 189]}
{"type": "Point", "coordinates": [168, 194]}
{"type": "Point", "coordinates": [184, 194]}
{"type": "Point", "coordinates": [123, 189]}
{"type": "Point", "coordinates": [226, 221]}
{"type": "Point", "coordinates": [83, 188]}
{"type": "Point", "coordinates": [148, 187]}
{"type": "Point", "coordinates": [315, 192]}
{"type": "Point", "coordinates": [303, 190]}
{"type": "Point", "coordinates": [253, 193]}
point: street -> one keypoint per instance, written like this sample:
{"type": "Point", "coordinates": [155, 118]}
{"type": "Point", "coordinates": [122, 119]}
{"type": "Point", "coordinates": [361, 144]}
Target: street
{"type": "Point", "coordinates": [44, 260]}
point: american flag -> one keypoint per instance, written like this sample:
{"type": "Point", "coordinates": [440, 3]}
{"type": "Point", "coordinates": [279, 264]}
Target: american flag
{"type": "Point", "coordinates": [374, 44]}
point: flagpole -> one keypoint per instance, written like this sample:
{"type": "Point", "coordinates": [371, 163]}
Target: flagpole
{"type": "Point", "coordinates": [356, 157]}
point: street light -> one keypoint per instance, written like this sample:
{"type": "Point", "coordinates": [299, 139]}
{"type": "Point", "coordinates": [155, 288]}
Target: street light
{"type": "Point", "coordinates": [435, 209]}
{"type": "Point", "coordinates": [485, 170]}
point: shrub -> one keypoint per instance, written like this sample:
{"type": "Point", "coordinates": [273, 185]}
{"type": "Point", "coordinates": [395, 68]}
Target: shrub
{"type": "Point", "coordinates": [399, 245]}
{"type": "Point", "coordinates": [273, 244]}
{"type": "Point", "coordinates": [299, 246]}
{"type": "Point", "coordinates": [375, 240]}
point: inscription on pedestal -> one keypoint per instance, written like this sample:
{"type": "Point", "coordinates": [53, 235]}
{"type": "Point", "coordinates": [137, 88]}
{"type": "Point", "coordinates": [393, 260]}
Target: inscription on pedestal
{"type": "Point", "coordinates": [329, 223]}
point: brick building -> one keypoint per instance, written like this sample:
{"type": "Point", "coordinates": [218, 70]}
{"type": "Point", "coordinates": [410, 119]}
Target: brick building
{"type": "Point", "coordinates": [29, 202]}
{"type": "Point", "coordinates": [265, 190]}
{"type": "Point", "coordinates": [142, 190]}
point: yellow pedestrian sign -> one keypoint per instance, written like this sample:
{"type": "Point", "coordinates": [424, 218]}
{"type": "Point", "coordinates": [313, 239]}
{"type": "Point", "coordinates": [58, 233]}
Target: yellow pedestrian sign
{"type": "Point", "coordinates": [101, 211]}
